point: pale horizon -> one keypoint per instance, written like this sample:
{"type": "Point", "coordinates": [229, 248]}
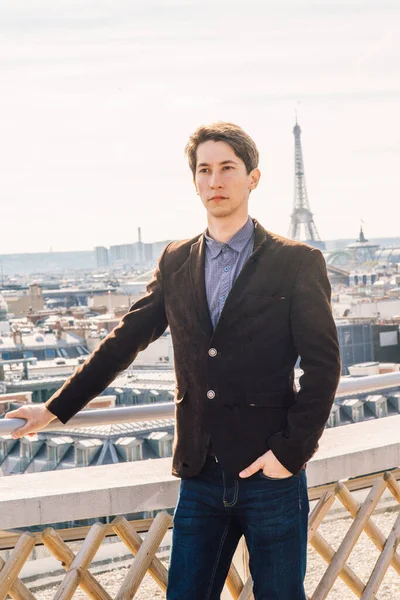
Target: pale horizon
{"type": "Point", "coordinates": [98, 100]}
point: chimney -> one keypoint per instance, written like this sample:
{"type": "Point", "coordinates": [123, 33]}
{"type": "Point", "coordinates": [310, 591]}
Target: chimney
{"type": "Point", "coordinates": [17, 337]}
{"type": "Point", "coordinates": [35, 290]}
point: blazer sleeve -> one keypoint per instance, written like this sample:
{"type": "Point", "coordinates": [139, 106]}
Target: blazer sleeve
{"type": "Point", "coordinates": [143, 323]}
{"type": "Point", "coordinates": [315, 338]}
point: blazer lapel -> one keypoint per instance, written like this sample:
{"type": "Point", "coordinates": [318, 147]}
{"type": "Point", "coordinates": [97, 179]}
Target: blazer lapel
{"type": "Point", "coordinates": [261, 240]}
{"type": "Point", "coordinates": [260, 235]}
{"type": "Point", "coordinates": [197, 275]}
{"type": "Point", "coordinates": [198, 283]}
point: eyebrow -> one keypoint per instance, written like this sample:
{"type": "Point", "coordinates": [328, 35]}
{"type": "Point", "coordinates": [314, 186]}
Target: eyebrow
{"type": "Point", "coordinates": [224, 162]}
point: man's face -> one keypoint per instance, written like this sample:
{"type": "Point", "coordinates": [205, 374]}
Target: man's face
{"type": "Point", "coordinates": [221, 179]}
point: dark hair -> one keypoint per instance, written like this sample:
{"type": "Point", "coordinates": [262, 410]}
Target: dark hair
{"type": "Point", "coordinates": [240, 142]}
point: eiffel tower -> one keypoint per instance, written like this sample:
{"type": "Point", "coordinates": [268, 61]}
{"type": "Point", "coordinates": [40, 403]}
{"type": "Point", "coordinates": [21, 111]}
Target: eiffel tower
{"type": "Point", "coordinates": [302, 226]}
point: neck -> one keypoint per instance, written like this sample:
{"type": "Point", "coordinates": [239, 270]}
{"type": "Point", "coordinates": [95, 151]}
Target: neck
{"type": "Point", "coordinates": [223, 229]}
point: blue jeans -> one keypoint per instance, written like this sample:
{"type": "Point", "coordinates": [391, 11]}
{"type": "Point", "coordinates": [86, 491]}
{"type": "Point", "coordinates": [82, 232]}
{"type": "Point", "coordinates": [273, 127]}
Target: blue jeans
{"type": "Point", "coordinates": [212, 513]}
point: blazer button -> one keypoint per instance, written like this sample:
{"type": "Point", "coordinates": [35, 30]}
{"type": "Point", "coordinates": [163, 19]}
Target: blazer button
{"type": "Point", "coordinates": [210, 394]}
{"type": "Point", "coordinates": [212, 352]}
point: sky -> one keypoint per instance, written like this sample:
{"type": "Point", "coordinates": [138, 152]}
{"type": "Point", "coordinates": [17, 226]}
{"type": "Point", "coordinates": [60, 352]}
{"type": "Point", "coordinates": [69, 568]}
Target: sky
{"type": "Point", "coordinates": [98, 98]}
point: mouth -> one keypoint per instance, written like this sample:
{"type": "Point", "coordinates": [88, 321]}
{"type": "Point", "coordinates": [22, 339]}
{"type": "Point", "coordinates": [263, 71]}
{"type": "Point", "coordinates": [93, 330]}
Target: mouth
{"type": "Point", "coordinates": [219, 198]}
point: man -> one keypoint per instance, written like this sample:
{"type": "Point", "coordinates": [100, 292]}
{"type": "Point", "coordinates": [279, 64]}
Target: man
{"type": "Point", "coordinates": [242, 304]}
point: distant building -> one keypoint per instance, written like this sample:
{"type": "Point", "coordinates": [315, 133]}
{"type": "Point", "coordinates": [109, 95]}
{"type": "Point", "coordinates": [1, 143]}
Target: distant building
{"type": "Point", "coordinates": [123, 254]}
{"type": "Point", "coordinates": [148, 253]}
{"type": "Point", "coordinates": [158, 247]}
{"type": "Point", "coordinates": [42, 346]}
{"type": "Point", "coordinates": [356, 343]}
{"type": "Point", "coordinates": [101, 445]}
{"type": "Point", "coordinates": [362, 252]}
{"type": "Point", "coordinates": [137, 254]}
{"type": "Point", "coordinates": [367, 341]}
{"type": "Point", "coordinates": [22, 302]}
{"type": "Point", "coordinates": [47, 262]}
{"type": "Point", "coordinates": [386, 339]}
{"type": "Point", "coordinates": [101, 257]}
{"type": "Point", "coordinates": [4, 323]}
{"type": "Point", "coordinates": [388, 256]}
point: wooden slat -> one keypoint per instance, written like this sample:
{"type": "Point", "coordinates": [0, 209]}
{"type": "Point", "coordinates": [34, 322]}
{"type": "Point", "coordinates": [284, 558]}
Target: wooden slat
{"type": "Point", "coordinates": [18, 590]}
{"type": "Point", "coordinates": [144, 557]}
{"type": "Point", "coordinates": [8, 539]}
{"type": "Point", "coordinates": [349, 540]}
{"type": "Point", "coordinates": [383, 563]}
{"type": "Point", "coordinates": [81, 562]}
{"type": "Point", "coordinates": [234, 582]}
{"type": "Point", "coordinates": [68, 587]}
{"type": "Point", "coordinates": [248, 587]}
{"type": "Point", "coordinates": [319, 512]}
{"type": "Point", "coordinates": [247, 592]}
{"type": "Point", "coordinates": [373, 532]}
{"type": "Point", "coordinates": [392, 484]}
{"type": "Point", "coordinates": [133, 541]}
{"type": "Point", "coordinates": [64, 554]}
{"type": "Point", "coordinates": [346, 574]}
{"type": "Point", "coordinates": [15, 562]}
{"type": "Point", "coordinates": [352, 484]}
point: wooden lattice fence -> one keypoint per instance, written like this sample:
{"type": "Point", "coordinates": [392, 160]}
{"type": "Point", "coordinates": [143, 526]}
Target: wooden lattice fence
{"type": "Point", "coordinates": [146, 561]}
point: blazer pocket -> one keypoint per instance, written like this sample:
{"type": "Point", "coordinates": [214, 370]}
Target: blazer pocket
{"type": "Point", "coordinates": [179, 394]}
{"type": "Point", "coordinates": [267, 299]}
{"type": "Point", "coordinates": [267, 399]}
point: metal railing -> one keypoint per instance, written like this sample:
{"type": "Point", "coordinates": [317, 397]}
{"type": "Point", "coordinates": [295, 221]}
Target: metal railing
{"type": "Point", "coordinates": [165, 410]}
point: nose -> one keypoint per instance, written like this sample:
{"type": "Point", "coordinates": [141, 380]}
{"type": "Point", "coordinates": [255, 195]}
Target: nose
{"type": "Point", "coordinates": [215, 181]}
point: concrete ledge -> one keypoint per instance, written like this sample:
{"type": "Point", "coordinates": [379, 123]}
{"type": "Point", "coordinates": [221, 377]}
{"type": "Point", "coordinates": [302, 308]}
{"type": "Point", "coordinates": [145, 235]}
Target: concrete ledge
{"type": "Point", "coordinates": [356, 449]}
{"type": "Point", "coordinates": [55, 496]}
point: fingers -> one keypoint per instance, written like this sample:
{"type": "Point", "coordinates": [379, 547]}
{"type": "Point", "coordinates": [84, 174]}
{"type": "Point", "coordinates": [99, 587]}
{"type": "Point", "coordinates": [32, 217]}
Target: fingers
{"type": "Point", "coordinates": [29, 426]}
{"type": "Point", "coordinates": [13, 414]}
{"type": "Point", "coordinates": [27, 429]}
{"type": "Point", "coordinates": [250, 470]}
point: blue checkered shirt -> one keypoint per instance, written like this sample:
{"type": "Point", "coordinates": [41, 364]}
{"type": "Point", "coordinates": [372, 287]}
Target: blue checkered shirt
{"type": "Point", "coordinates": [223, 263]}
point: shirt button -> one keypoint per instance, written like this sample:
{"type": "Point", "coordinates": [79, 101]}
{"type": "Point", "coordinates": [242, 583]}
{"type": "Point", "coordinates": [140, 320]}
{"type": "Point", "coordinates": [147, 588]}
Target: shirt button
{"type": "Point", "coordinates": [226, 269]}
{"type": "Point", "coordinates": [223, 297]}
{"type": "Point", "coordinates": [210, 394]}
{"type": "Point", "coordinates": [212, 352]}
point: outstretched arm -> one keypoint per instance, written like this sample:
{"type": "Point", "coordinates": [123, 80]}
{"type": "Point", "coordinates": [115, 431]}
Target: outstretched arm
{"type": "Point", "coordinates": [144, 322]}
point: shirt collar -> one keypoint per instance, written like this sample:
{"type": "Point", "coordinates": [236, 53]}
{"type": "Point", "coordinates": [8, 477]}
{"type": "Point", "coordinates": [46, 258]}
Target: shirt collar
{"type": "Point", "coordinates": [236, 243]}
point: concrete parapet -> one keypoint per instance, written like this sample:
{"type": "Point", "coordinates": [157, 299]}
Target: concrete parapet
{"type": "Point", "coordinates": [51, 497]}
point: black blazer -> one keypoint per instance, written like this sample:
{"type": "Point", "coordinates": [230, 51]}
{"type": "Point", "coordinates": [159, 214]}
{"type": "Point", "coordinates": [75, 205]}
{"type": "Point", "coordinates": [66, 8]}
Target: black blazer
{"type": "Point", "coordinates": [234, 385]}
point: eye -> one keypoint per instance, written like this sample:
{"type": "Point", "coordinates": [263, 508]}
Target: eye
{"type": "Point", "coordinates": [228, 167]}
{"type": "Point", "coordinates": [204, 170]}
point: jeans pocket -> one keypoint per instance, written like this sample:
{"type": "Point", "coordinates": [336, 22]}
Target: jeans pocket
{"type": "Point", "coordinates": [263, 476]}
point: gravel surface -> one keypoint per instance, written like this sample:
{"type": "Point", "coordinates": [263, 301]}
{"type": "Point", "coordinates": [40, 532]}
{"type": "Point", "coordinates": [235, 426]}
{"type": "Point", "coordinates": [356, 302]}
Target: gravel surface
{"type": "Point", "coordinates": [362, 561]}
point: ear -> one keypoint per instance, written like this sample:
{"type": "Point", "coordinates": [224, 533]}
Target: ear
{"type": "Point", "coordinates": [254, 175]}
{"type": "Point", "coordinates": [194, 183]}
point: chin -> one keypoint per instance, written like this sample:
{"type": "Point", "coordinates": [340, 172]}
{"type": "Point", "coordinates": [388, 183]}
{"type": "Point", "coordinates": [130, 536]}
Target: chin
{"type": "Point", "coordinates": [221, 212]}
